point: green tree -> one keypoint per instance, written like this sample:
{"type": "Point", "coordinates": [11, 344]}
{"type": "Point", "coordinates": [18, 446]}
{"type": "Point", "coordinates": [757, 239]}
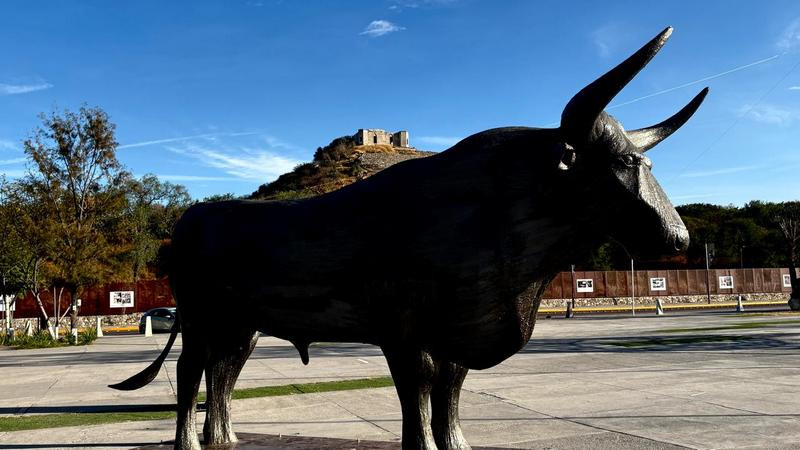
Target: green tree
{"type": "Point", "coordinates": [75, 175]}
{"type": "Point", "coordinates": [28, 240]}
{"type": "Point", "coordinates": [787, 218]}
{"type": "Point", "coordinates": [152, 208]}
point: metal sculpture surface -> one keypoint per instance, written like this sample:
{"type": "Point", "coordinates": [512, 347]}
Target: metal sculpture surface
{"type": "Point", "coordinates": [440, 261]}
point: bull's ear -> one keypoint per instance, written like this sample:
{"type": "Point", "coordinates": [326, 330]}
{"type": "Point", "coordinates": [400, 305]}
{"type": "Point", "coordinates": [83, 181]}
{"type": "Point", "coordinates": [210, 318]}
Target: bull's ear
{"type": "Point", "coordinates": [567, 157]}
{"type": "Point", "coordinates": [580, 114]}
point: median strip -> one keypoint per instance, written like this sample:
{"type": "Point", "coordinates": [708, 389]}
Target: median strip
{"type": "Point", "coordinates": [34, 422]}
{"type": "Point", "coordinates": [678, 341]}
{"type": "Point", "coordinates": [735, 326]}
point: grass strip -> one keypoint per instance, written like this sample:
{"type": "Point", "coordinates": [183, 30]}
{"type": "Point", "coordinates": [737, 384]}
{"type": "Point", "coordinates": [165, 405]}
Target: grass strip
{"type": "Point", "coordinates": [734, 326]}
{"type": "Point", "coordinates": [38, 421]}
{"type": "Point", "coordinates": [308, 388]}
{"type": "Point", "coordinates": [678, 341]}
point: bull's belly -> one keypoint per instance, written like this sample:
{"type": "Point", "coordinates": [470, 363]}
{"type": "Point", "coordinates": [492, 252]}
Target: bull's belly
{"type": "Point", "coordinates": [476, 333]}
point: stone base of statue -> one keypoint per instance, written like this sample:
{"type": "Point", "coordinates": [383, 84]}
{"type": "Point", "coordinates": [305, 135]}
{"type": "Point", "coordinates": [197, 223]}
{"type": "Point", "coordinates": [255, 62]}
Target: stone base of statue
{"type": "Point", "coordinates": [275, 442]}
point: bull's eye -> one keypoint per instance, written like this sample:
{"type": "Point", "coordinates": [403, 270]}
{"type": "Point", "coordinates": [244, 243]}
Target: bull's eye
{"type": "Point", "coordinates": [629, 160]}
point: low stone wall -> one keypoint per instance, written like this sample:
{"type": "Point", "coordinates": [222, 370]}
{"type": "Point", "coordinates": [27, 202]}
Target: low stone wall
{"type": "Point", "coordinates": [665, 299]}
{"type": "Point", "coordinates": [86, 321]}
{"type": "Point", "coordinates": [133, 319]}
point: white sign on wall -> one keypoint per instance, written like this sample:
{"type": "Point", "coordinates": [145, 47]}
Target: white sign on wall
{"type": "Point", "coordinates": [8, 300]}
{"type": "Point", "coordinates": [658, 284]}
{"type": "Point", "coordinates": [726, 282]}
{"type": "Point", "coordinates": [787, 280]}
{"type": "Point", "coordinates": [121, 299]}
{"type": "Point", "coordinates": [585, 285]}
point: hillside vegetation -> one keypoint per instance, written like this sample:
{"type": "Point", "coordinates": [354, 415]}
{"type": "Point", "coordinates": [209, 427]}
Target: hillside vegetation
{"type": "Point", "coordinates": [336, 165]}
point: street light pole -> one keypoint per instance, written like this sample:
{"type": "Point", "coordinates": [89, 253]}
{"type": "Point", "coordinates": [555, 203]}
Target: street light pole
{"type": "Point", "coordinates": [633, 290]}
{"type": "Point", "coordinates": [741, 256]}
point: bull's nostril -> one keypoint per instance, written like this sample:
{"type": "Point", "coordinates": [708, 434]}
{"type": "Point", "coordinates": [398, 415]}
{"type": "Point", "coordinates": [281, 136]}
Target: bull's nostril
{"type": "Point", "coordinates": [680, 238]}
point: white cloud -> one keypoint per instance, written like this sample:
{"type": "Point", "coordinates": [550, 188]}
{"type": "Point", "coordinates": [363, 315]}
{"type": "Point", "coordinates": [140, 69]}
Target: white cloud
{"type": "Point", "coordinates": [11, 89]}
{"type": "Point", "coordinates": [443, 141]}
{"type": "Point", "coordinates": [241, 163]}
{"type": "Point", "coordinates": [380, 27]}
{"type": "Point", "coordinates": [790, 38]}
{"type": "Point", "coordinates": [794, 88]}
{"type": "Point", "coordinates": [722, 171]}
{"type": "Point", "coordinates": [770, 114]}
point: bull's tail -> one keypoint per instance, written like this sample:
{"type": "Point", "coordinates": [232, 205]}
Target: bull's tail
{"type": "Point", "coordinates": [144, 377]}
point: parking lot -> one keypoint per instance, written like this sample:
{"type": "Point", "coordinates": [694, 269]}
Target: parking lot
{"type": "Point", "coordinates": [696, 380]}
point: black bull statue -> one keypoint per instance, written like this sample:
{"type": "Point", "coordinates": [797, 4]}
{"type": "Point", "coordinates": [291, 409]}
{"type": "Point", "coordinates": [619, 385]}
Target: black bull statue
{"type": "Point", "coordinates": [440, 261]}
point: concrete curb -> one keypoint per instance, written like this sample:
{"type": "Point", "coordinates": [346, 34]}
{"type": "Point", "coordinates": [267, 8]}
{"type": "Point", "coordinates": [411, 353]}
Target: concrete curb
{"type": "Point", "coordinates": [675, 307]}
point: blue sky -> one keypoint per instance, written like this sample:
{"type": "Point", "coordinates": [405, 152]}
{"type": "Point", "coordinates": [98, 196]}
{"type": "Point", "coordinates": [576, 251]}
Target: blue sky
{"type": "Point", "coordinates": [223, 96]}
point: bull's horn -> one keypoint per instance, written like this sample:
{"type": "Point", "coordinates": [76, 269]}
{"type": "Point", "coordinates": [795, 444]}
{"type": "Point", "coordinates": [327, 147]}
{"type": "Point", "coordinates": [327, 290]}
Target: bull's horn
{"type": "Point", "coordinates": [578, 117]}
{"type": "Point", "coordinates": [646, 138]}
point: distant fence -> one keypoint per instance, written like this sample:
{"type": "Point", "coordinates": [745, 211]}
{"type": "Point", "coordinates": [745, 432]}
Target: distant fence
{"type": "Point", "coordinates": [114, 298]}
{"type": "Point", "coordinates": [106, 300]}
{"type": "Point", "coordinates": [652, 283]}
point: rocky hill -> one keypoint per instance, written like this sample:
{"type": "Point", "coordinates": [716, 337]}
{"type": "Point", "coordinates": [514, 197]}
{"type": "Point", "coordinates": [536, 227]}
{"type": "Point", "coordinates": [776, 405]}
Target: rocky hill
{"type": "Point", "coordinates": [336, 165]}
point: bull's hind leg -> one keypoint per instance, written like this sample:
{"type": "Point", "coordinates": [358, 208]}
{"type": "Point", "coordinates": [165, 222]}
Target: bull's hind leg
{"type": "Point", "coordinates": [413, 372]}
{"type": "Point", "coordinates": [190, 371]}
{"type": "Point", "coordinates": [444, 403]}
{"type": "Point", "coordinates": [222, 370]}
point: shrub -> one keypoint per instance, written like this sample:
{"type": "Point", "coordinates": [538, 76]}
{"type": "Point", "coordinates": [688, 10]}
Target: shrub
{"type": "Point", "coordinates": [42, 339]}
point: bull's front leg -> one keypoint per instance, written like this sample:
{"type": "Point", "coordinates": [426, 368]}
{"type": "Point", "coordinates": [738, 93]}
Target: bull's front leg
{"type": "Point", "coordinates": [413, 372]}
{"type": "Point", "coordinates": [444, 402]}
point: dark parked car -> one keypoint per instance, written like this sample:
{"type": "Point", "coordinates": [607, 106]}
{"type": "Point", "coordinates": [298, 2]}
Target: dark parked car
{"type": "Point", "coordinates": [161, 319]}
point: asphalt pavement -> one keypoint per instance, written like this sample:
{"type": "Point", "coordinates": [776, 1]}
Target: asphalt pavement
{"type": "Point", "coordinates": [689, 380]}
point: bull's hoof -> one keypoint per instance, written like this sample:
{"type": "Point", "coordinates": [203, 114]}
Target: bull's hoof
{"type": "Point", "coordinates": [221, 438]}
{"type": "Point", "coordinates": [189, 442]}
{"type": "Point", "coordinates": [453, 442]}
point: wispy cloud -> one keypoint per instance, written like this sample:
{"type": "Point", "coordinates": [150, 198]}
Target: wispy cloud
{"type": "Point", "coordinates": [693, 196]}
{"type": "Point", "coordinates": [8, 162]}
{"type": "Point", "coordinates": [770, 114]}
{"type": "Point", "coordinates": [7, 145]}
{"type": "Point", "coordinates": [400, 4]}
{"type": "Point", "coordinates": [378, 28]}
{"type": "Point", "coordinates": [443, 141]}
{"type": "Point", "coordinates": [608, 38]}
{"type": "Point", "coordinates": [794, 88]}
{"type": "Point", "coordinates": [601, 38]}
{"type": "Point", "coordinates": [12, 89]}
{"type": "Point", "coordinates": [14, 173]}
{"type": "Point", "coordinates": [790, 38]}
{"type": "Point", "coordinates": [722, 171]}
{"type": "Point", "coordinates": [241, 163]}
{"type": "Point", "coordinates": [183, 139]}
{"type": "Point", "coordinates": [195, 178]}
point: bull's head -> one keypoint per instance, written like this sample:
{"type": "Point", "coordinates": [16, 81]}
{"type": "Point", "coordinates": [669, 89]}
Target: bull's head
{"type": "Point", "coordinates": [597, 145]}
